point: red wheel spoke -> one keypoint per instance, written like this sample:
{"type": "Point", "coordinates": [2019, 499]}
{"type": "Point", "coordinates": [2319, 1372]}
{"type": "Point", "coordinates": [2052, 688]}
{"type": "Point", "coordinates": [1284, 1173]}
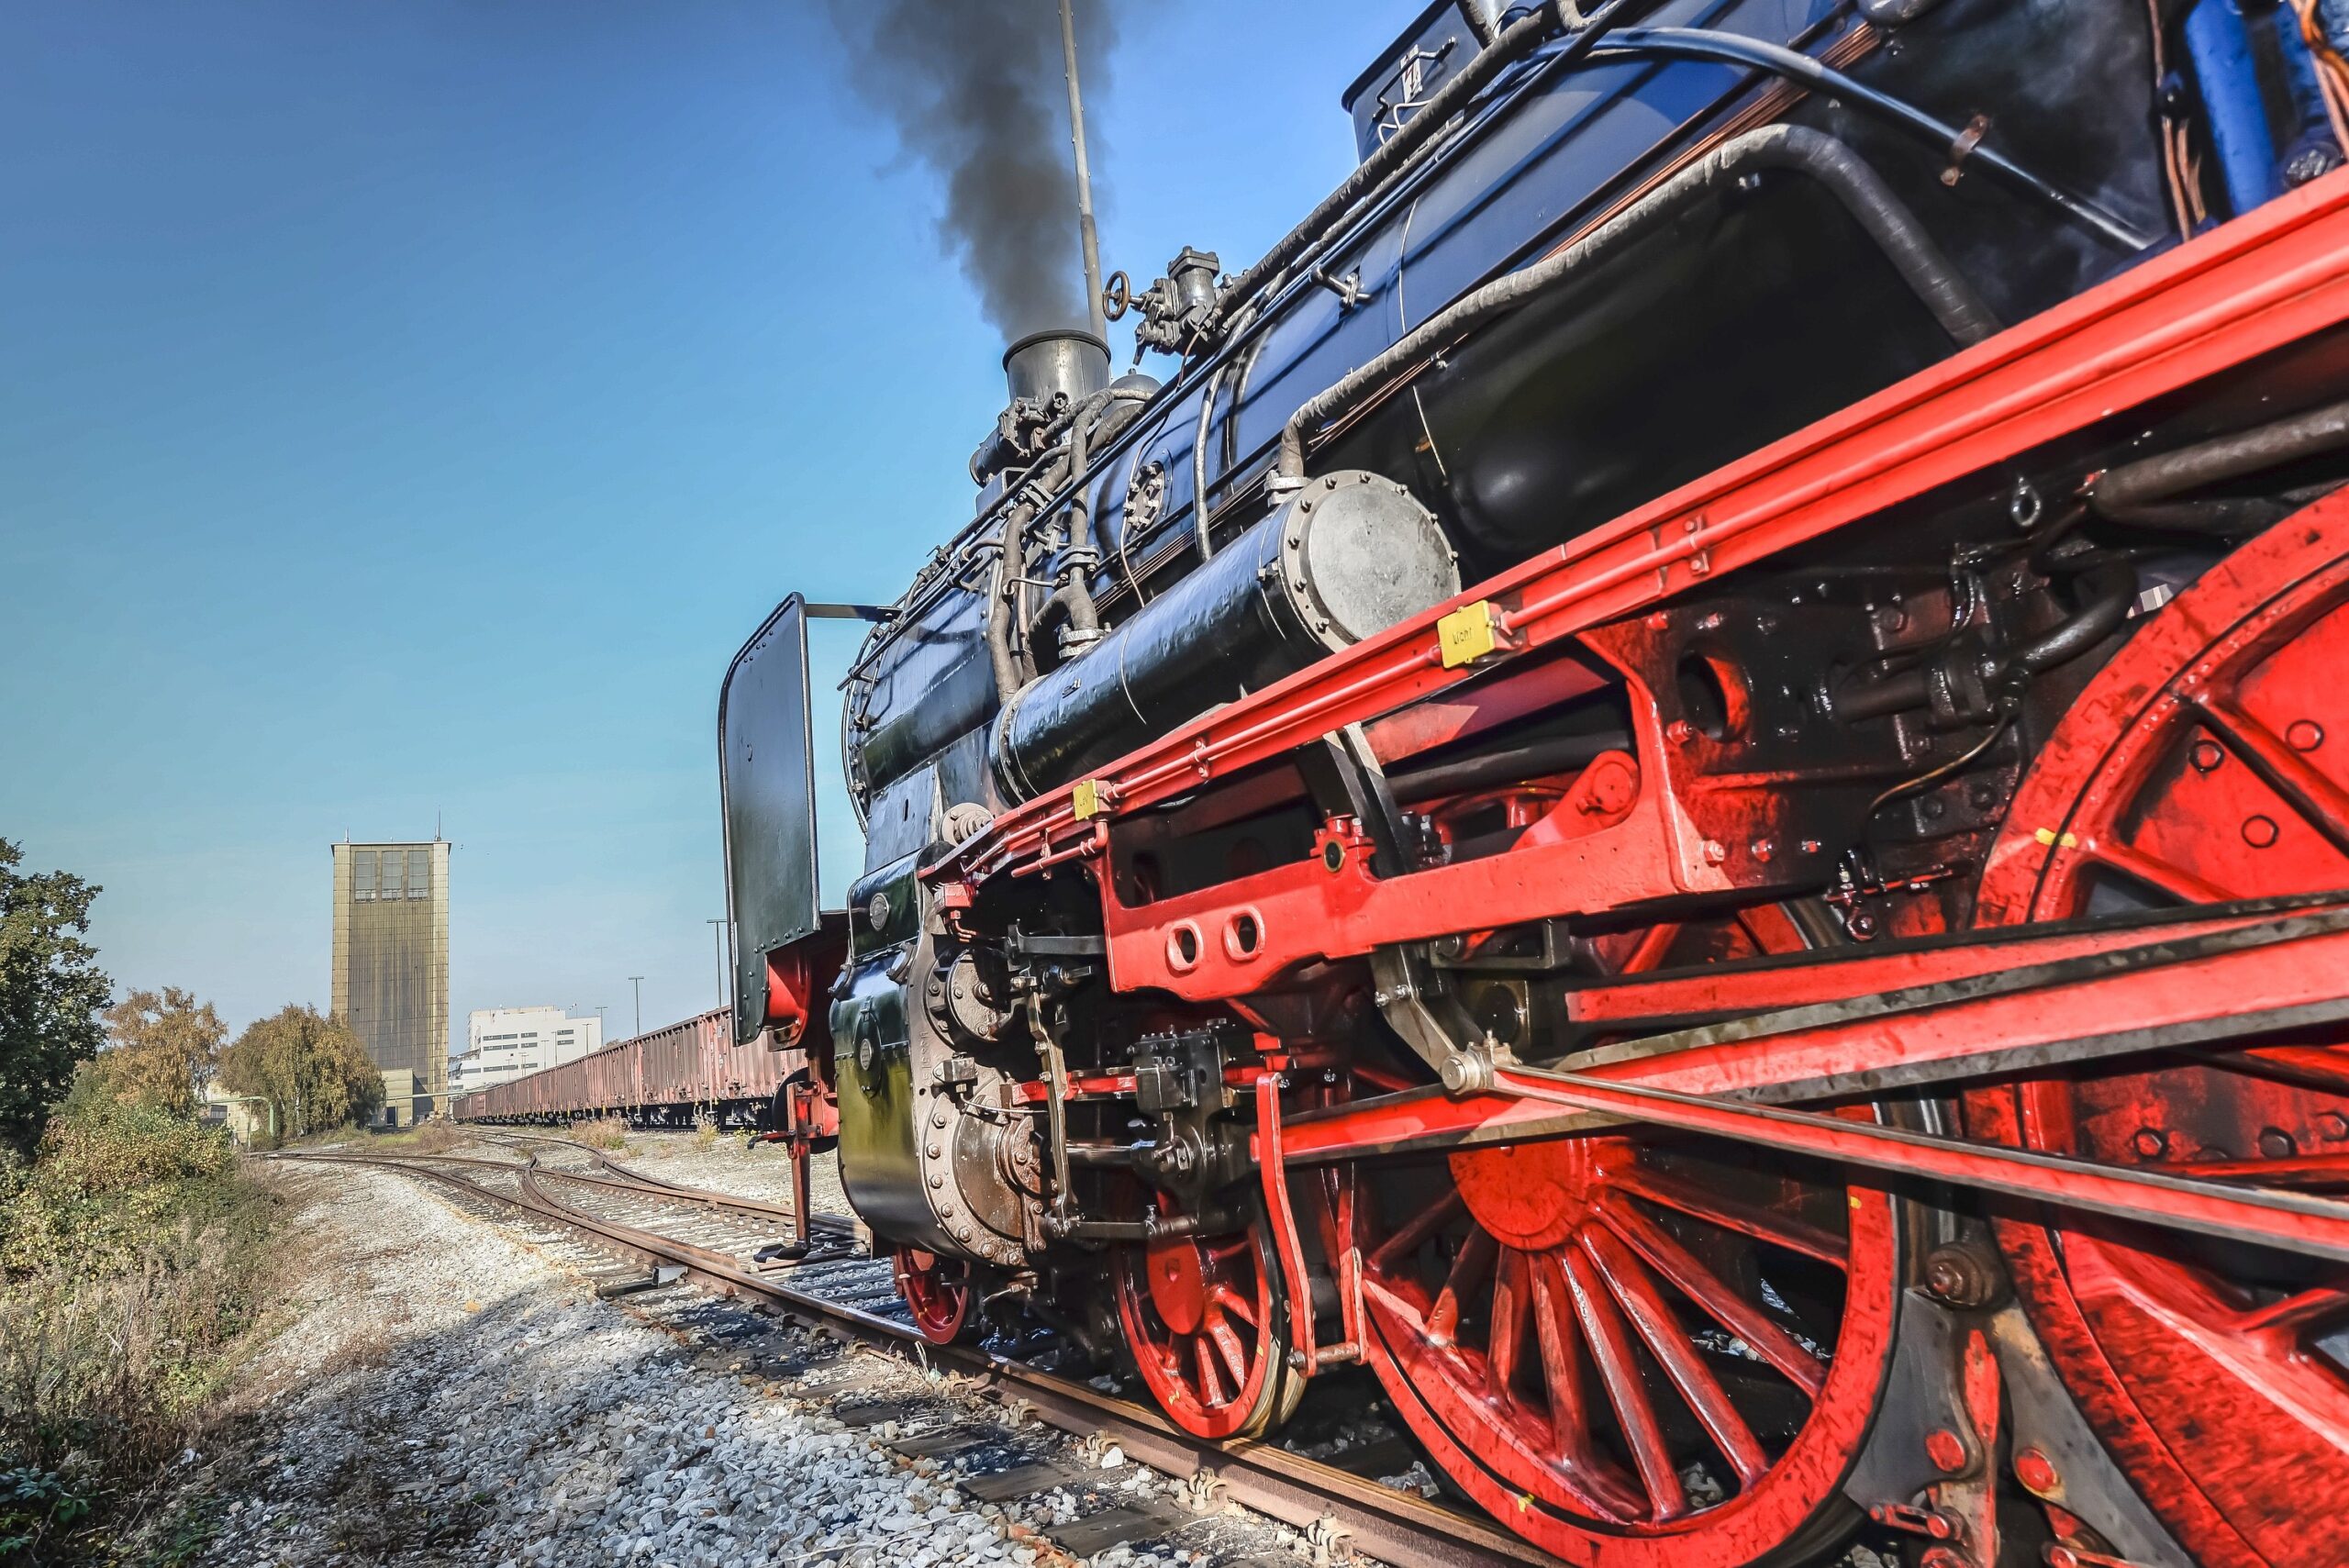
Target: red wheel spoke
{"type": "Point", "coordinates": [2322, 804]}
{"type": "Point", "coordinates": [1782, 1230]}
{"type": "Point", "coordinates": [1406, 1241]}
{"type": "Point", "coordinates": [2296, 1314]}
{"type": "Point", "coordinates": [1655, 942]}
{"type": "Point", "coordinates": [1651, 1317]}
{"type": "Point", "coordinates": [1715, 1296]}
{"type": "Point", "coordinates": [2159, 874]}
{"type": "Point", "coordinates": [1210, 1381]}
{"type": "Point", "coordinates": [1468, 1269]}
{"type": "Point", "coordinates": [1231, 1301]}
{"type": "Point", "coordinates": [1235, 1354]}
{"type": "Point", "coordinates": [1508, 1328]}
{"type": "Point", "coordinates": [1612, 1357]}
{"type": "Point", "coordinates": [1557, 1333]}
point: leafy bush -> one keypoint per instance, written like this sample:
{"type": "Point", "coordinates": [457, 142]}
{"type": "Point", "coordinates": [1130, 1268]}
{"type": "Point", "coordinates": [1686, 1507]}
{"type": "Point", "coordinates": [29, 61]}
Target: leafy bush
{"type": "Point", "coordinates": [32, 1503]}
{"type": "Point", "coordinates": [113, 1178]}
{"type": "Point", "coordinates": [132, 1253]}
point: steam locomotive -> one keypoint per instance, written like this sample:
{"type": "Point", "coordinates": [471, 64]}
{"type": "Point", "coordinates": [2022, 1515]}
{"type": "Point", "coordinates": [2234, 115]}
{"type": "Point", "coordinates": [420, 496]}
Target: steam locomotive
{"type": "Point", "coordinates": [1683, 786]}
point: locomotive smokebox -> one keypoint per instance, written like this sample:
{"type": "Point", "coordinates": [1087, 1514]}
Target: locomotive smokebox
{"type": "Point", "coordinates": [1347, 557]}
{"type": "Point", "coordinates": [1065, 360]}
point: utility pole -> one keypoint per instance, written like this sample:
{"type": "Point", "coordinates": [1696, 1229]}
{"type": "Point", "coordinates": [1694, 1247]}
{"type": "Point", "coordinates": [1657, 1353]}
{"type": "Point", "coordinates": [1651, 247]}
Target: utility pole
{"type": "Point", "coordinates": [638, 981]}
{"type": "Point", "coordinates": [718, 937]}
{"type": "Point", "coordinates": [1084, 179]}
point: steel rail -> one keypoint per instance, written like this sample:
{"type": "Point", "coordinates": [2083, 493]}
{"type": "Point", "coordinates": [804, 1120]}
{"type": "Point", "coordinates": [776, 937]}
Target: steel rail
{"type": "Point", "coordinates": [1397, 1528]}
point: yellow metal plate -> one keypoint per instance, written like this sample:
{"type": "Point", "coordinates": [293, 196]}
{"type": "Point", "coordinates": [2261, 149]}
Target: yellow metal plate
{"type": "Point", "coordinates": [1467, 634]}
{"type": "Point", "coordinates": [1086, 799]}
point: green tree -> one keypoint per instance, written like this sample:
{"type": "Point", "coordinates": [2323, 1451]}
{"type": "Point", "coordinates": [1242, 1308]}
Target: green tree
{"type": "Point", "coordinates": [50, 991]}
{"type": "Point", "coordinates": [163, 1049]}
{"type": "Point", "coordinates": [307, 1065]}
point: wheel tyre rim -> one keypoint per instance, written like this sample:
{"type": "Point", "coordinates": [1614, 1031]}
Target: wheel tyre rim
{"type": "Point", "coordinates": [938, 1299]}
{"type": "Point", "coordinates": [1207, 1325]}
{"type": "Point", "coordinates": [2175, 777]}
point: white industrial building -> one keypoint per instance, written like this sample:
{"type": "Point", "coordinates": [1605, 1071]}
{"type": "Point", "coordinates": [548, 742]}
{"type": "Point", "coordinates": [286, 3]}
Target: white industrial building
{"type": "Point", "coordinates": [507, 1042]}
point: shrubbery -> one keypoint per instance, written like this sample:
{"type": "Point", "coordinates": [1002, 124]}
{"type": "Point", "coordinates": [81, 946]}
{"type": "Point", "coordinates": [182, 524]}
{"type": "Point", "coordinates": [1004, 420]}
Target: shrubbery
{"type": "Point", "coordinates": [132, 1252]}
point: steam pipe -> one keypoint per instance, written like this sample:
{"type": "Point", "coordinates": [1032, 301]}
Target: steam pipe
{"type": "Point", "coordinates": [2144, 492]}
{"type": "Point", "coordinates": [1011, 539]}
{"type": "Point", "coordinates": [1843, 173]}
{"type": "Point", "coordinates": [2111, 587]}
{"type": "Point", "coordinates": [1734, 49]}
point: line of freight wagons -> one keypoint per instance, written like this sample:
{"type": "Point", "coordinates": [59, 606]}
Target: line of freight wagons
{"type": "Point", "coordinates": [676, 1076]}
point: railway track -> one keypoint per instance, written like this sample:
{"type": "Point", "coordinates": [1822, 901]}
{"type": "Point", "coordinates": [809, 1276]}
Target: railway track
{"type": "Point", "coordinates": [724, 1245]}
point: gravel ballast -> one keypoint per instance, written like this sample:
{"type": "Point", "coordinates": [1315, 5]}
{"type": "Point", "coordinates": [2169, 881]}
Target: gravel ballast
{"type": "Point", "coordinates": [447, 1393]}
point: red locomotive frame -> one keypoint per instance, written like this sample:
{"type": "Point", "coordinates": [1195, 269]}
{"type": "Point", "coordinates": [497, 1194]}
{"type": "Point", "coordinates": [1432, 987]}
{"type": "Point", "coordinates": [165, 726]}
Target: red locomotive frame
{"type": "Point", "coordinates": [1988, 1014]}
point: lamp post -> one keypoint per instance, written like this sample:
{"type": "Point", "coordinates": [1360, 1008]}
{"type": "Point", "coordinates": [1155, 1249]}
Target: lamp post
{"type": "Point", "coordinates": [638, 981]}
{"type": "Point", "coordinates": [718, 940]}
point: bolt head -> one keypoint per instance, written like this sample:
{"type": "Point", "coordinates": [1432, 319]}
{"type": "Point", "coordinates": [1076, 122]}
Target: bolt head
{"type": "Point", "coordinates": [2151, 1144]}
{"type": "Point", "coordinates": [1946, 1449]}
{"type": "Point", "coordinates": [2037, 1474]}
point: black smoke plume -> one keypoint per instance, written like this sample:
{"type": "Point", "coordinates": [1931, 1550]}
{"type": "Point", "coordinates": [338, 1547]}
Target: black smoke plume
{"type": "Point", "coordinates": [975, 91]}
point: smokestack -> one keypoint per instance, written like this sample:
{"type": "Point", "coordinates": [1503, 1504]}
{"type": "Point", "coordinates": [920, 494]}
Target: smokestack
{"type": "Point", "coordinates": [977, 90]}
{"type": "Point", "coordinates": [1061, 360]}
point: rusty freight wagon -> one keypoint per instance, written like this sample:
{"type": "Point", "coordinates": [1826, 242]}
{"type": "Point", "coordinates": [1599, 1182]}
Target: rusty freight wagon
{"type": "Point", "coordinates": [671, 1077]}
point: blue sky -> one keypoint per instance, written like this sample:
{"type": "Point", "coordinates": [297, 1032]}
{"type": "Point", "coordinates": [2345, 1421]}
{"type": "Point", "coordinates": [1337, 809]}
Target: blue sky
{"type": "Point", "coordinates": [408, 409]}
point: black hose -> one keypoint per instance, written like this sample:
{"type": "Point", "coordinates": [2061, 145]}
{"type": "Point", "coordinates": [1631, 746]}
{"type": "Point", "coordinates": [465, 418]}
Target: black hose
{"type": "Point", "coordinates": [2145, 492]}
{"type": "Point", "coordinates": [1735, 49]}
{"type": "Point", "coordinates": [1971, 666]}
{"type": "Point", "coordinates": [1796, 149]}
{"type": "Point", "coordinates": [2109, 589]}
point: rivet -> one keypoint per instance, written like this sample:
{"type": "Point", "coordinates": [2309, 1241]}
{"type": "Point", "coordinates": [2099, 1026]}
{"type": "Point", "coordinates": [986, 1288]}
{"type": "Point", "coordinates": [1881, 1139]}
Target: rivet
{"type": "Point", "coordinates": [1659, 621]}
{"type": "Point", "coordinates": [2305, 735]}
{"type": "Point", "coordinates": [2259, 832]}
{"type": "Point", "coordinates": [1946, 1449]}
{"type": "Point", "coordinates": [2278, 1145]}
{"type": "Point", "coordinates": [1763, 850]}
{"type": "Point", "coordinates": [2037, 1474]}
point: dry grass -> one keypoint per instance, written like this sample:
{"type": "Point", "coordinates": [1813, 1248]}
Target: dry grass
{"type": "Point", "coordinates": [426, 1138]}
{"type": "Point", "coordinates": [706, 1135]}
{"type": "Point", "coordinates": [608, 1133]}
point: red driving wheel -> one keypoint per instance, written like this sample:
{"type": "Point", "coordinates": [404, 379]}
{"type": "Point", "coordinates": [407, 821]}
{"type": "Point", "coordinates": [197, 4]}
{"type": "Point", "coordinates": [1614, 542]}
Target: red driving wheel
{"type": "Point", "coordinates": [1207, 1322]}
{"type": "Point", "coordinates": [937, 1292]}
{"type": "Point", "coordinates": [2209, 760]}
{"type": "Point", "coordinates": [1637, 1352]}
